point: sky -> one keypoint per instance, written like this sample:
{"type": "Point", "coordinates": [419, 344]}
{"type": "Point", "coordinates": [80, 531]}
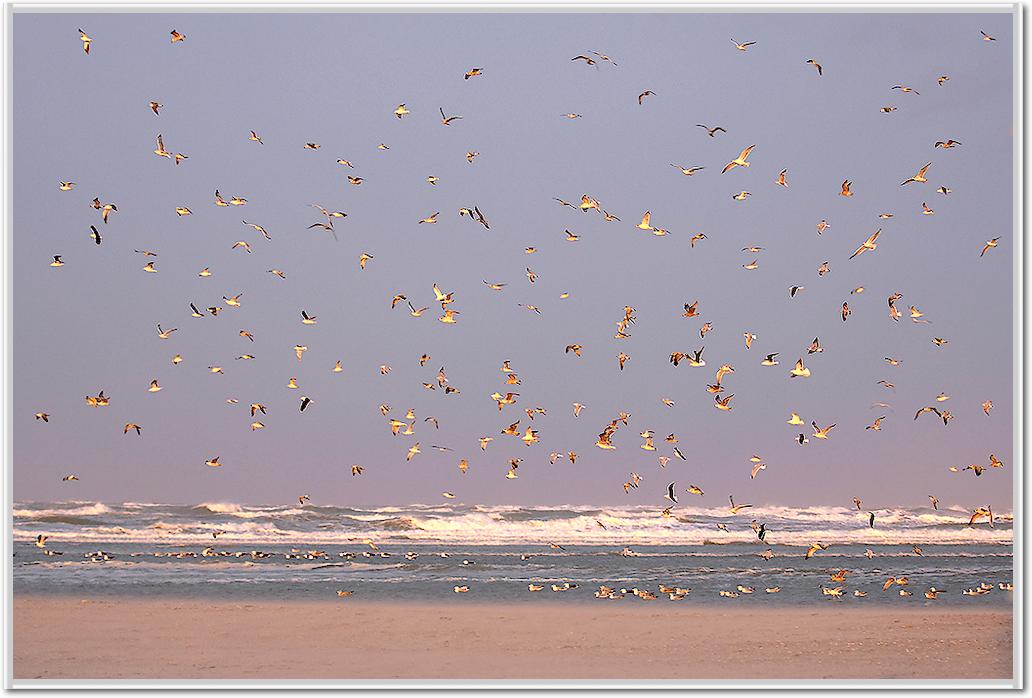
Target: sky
{"type": "Point", "coordinates": [336, 79]}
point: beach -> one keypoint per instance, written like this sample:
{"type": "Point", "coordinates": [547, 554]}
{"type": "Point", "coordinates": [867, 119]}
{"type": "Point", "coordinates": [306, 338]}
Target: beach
{"type": "Point", "coordinates": [83, 637]}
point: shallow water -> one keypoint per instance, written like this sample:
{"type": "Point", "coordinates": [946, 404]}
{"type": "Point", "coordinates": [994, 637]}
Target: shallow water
{"type": "Point", "coordinates": [638, 548]}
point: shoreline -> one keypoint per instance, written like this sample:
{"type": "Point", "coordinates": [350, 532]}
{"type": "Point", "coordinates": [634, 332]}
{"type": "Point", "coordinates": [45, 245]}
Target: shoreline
{"type": "Point", "coordinates": [103, 637]}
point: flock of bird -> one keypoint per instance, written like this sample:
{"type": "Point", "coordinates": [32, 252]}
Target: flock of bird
{"type": "Point", "coordinates": [505, 397]}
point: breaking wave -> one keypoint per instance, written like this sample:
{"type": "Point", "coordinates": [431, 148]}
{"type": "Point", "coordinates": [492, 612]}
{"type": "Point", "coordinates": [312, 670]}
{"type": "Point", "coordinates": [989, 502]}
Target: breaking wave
{"type": "Point", "coordinates": [498, 525]}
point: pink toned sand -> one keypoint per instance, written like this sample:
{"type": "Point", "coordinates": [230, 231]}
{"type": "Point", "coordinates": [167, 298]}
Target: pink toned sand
{"type": "Point", "coordinates": [71, 638]}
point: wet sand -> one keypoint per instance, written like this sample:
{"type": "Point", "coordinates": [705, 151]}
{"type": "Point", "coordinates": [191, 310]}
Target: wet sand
{"type": "Point", "coordinates": [104, 638]}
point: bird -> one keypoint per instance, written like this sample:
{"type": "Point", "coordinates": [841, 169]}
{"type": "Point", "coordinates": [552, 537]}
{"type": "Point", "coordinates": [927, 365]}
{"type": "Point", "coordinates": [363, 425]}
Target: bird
{"type": "Point", "coordinates": [671, 494]}
{"type": "Point", "coordinates": [687, 171]}
{"type": "Point", "coordinates": [712, 132]}
{"type": "Point", "coordinates": [643, 95]}
{"type": "Point", "coordinates": [815, 64]}
{"type": "Point", "coordinates": [645, 222]}
{"type": "Point", "coordinates": [446, 120]}
{"type": "Point", "coordinates": [742, 46]}
{"type": "Point", "coordinates": [814, 549]}
{"type": "Point", "coordinates": [741, 161]}
{"type": "Point", "coordinates": [990, 244]}
{"type": "Point", "coordinates": [105, 209]}
{"type": "Point", "coordinates": [871, 243]}
{"type": "Point", "coordinates": [800, 371]}
{"type": "Point", "coordinates": [982, 513]}
{"type": "Point", "coordinates": [735, 508]}
{"type": "Point", "coordinates": [86, 41]}
{"type": "Point", "coordinates": [985, 37]}
{"type": "Point", "coordinates": [723, 403]}
{"type": "Point", "coordinates": [919, 177]}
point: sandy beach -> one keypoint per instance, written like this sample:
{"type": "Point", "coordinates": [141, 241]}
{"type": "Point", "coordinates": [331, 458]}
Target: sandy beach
{"type": "Point", "coordinates": [73, 638]}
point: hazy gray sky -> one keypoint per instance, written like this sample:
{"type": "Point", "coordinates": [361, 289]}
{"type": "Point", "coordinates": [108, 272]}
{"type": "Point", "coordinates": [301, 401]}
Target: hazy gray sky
{"type": "Point", "coordinates": [335, 79]}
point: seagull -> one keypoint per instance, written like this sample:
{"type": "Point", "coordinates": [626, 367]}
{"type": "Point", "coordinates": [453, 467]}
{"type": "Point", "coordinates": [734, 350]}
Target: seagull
{"type": "Point", "coordinates": [446, 120]}
{"type": "Point", "coordinates": [712, 132]}
{"type": "Point", "coordinates": [735, 508]}
{"type": "Point", "coordinates": [800, 371]}
{"type": "Point", "coordinates": [741, 161]}
{"type": "Point", "coordinates": [988, 245]}
{"type": "Point", "coordinates": [813, 549]}
{"type": "Point", "coordinates": [742, 46]}
{"type": "Point", "coordinates": [687, 171]}
{"type": "Point", "coordinates": [86, 41]}
{"type": "Point", "coordinates": [919, 177]}
{"type": "Point", "coordinates": [815, 64]}
{"type": "Point", "coordinates": [160, 150]}
{"type": "Point", "coordinates": [871, 243]}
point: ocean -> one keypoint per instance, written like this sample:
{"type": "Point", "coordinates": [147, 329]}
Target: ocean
{"type": "Point", "coordinates": [421, 552]}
